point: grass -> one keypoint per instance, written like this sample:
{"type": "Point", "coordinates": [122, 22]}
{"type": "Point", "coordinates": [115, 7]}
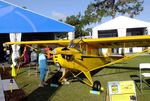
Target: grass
{"type": "Point", "coordinates": [77, 91]}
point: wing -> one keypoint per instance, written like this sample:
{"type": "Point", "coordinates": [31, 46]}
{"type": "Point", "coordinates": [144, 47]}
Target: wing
{"type": "Point", "coordinates": [48, 42]}
{"type": "Point", "coordinates": [116, 42]}
{"type": "Point", "coordinates": [113, 42]}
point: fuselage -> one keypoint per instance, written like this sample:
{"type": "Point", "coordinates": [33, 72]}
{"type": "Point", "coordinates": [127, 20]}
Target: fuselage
{"type": "Point", "coordinates": [74, 59]}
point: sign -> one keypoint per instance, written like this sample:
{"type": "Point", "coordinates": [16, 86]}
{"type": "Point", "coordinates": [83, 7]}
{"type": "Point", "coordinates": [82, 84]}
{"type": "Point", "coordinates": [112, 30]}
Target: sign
{"type": "Point", "coordinates": [122, 91]}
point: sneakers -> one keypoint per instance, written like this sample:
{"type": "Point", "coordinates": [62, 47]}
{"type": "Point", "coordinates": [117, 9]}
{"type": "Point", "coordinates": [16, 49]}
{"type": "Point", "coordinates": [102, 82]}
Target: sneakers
{"type": "Point", "coordinates": [41, 85]}
{"type": "Point", "coordinates": [65, 81]}
{"type": "Point", "coordinates": [44, 83]}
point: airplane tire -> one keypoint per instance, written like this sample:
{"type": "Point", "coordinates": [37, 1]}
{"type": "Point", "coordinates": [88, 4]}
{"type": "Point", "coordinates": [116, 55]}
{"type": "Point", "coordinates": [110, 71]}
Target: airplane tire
{"type": "Point", "coordinates": [96, 86]}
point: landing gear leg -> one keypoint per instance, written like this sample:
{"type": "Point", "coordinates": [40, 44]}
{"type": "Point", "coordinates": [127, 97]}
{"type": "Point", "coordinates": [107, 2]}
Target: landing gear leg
{"type": "Point", "coordinates": [63, 79]}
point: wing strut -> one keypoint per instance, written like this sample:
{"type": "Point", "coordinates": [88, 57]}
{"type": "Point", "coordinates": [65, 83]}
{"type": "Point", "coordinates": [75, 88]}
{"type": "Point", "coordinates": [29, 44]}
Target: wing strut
{"type": "Point", "coordinates": [122, 59]}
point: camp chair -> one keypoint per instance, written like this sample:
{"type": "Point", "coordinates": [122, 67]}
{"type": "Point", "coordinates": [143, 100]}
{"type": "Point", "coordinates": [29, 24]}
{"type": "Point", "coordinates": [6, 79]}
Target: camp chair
{"type": "Point", "coordinates": [33, 68]}
{"type": "Point", "coordinates": [143, 74]}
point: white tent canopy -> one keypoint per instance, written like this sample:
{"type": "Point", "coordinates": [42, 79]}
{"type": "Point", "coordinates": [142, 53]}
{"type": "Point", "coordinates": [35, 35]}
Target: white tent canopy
{"type": "Point", "coordinates": [120, 23]}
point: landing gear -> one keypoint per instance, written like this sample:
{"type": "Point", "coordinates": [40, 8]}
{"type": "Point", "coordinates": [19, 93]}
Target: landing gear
{"type": "Point", "coordinates": [96, 86]}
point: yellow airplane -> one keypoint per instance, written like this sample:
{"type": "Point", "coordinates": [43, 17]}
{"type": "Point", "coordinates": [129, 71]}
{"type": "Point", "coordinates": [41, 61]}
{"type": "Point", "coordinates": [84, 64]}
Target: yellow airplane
{"type": "Point", "coordinates": [84, 55]}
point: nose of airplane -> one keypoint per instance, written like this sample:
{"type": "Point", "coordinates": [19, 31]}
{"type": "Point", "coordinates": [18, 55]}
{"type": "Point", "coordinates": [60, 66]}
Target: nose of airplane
{"type": "Point", "coordinates": [54, 51]}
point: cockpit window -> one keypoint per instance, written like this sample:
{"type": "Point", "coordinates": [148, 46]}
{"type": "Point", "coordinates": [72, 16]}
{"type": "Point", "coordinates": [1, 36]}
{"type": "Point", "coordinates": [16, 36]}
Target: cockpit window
{"type": "Point", "coordinates": [71, 44]}
{"type": "Point", "coordinates": [65, 48]}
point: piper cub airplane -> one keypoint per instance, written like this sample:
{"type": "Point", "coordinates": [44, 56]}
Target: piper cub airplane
{"type": "Point", "coordinates": [83, 56]}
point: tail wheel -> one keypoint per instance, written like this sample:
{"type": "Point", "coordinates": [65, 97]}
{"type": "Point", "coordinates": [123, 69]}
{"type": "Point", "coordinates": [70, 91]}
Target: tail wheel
{"type": "Point", "coordinates": [96, 86]}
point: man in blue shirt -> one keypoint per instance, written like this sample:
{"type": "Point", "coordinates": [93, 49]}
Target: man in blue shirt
{"type": "Point", "coordinates": [43, 67]}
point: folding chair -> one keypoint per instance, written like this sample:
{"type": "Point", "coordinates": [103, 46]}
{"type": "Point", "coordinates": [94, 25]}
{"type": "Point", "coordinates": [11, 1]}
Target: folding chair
{"type": "Point", "coordinates": [144, 74]}
{"type": "Point", "coordinates": [34, 66]}
{"type": "Point", "coordinates": [33, 63]}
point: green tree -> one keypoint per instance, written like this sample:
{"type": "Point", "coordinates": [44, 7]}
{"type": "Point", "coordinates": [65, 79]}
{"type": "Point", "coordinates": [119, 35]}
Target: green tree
{"type": "Point", "coordinates": [104, 8]}
{"type": "Point", "coordinates": [78, 22]}
{"type": "Point", "coordinates": [99, 9]}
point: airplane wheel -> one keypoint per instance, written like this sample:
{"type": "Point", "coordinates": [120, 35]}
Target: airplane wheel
{"type": "Point", "coordinates": [96, 86]}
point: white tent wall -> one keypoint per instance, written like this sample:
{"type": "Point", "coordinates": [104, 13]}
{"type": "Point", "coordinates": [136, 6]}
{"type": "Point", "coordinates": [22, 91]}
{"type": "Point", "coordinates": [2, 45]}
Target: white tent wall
{"type": "Point", "coordinates": [137, 49]}
{"type": "Point", "coordinates": [122, 33]}
{"type": "Point", "coordinates": [105, 51]}
{"type": "Point", "coordinates": [71, 35]}
{"type": "Point", "coordinates": [122, 23]}
{"type": "Point", "coordinates": [148, 30]}
{"type": "Point", "coordinates": [15, 48]}
{"type": "Point", "coordinates": [94, 33]}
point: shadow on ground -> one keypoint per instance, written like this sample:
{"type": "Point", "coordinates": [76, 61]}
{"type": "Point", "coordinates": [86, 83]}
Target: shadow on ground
{"type": "Point", "coordinates": [45, 93]}
{"type": "Point", "coordinates": [118, 70]}
{"type": "Point", "coordinates": [145, 82]}
{"type": "Point", "coordinates": [94, 72]}
{"type": "Point", "coordinates": [136, 79]}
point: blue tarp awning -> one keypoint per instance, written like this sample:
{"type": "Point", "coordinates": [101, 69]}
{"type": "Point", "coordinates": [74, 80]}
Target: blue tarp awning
{"type": "Point", "coordinates": [14, 19]}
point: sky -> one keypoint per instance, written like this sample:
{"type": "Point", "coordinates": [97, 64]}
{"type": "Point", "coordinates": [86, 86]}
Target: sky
{"type": "Point", "coordinates": [54, 8]}
{"type": "Point", "coordinates": [59, 9]}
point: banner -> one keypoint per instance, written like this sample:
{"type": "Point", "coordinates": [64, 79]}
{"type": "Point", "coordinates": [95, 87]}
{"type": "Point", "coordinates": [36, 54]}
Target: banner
{"type": "Point", "coordinates": [14, 37]}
